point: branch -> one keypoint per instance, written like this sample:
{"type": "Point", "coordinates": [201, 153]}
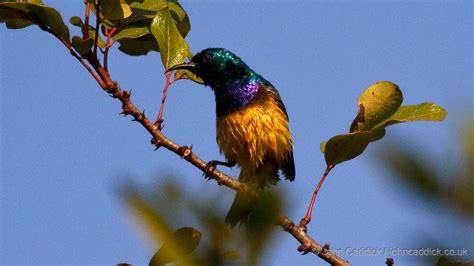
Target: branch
{"type": "Point", "coordinates": [68, 46]}
{"type": "Point", "coordinates": [102, 76]}
{"type": "Point", "coordinates": [308, 244]}
{"type": "Point", "coordinates": [185, 152]}
{"type": "Point", "coordinates": [159, 119]}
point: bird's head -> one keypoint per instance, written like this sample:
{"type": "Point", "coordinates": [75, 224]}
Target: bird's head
{"type": "Point", "coordinates": [215, 66]}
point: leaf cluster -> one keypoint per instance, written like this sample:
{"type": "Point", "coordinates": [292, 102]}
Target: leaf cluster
{"type": "Point", "coordinates": [379, 106]}
{"type": "Point", "coordinates": [209, 241]}
{"type": "Point", "coordinates": [139, 26]}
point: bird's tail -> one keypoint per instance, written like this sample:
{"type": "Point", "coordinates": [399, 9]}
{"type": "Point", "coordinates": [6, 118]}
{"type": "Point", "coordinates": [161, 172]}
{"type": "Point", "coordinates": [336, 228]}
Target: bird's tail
{"type": "Point", "coordinates": [245, 205]}
{"type": "Point", "coordinates": [240, 210]}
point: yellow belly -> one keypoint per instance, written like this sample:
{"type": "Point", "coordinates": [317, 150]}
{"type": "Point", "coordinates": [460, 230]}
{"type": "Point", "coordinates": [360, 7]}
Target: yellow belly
{"type": "Point", "coordinates": [255, 133]}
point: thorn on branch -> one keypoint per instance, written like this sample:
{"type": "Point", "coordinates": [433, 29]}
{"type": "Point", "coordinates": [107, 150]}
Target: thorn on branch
{"type": "Point", "coordinates": [185, 151]}
{"type": "Point", "coordinates": [126, 110]}
{"type": "Point", "coordinates": [325, 249]}
{"type": "Point", "coordinates": [156, 142]}
{"type": "Point", "coordinates": [159, 124]}
{"type": "Point", "coordinates": [126, 94]}
{"type": "Point", "coordinates": [140, 117]}
{"type": "Point", "coordinates": [302, 248]}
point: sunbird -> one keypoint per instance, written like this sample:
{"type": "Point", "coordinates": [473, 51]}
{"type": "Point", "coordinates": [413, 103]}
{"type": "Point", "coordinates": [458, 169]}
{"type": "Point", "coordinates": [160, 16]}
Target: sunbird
{"type": "Point", "coordinates": [252, 124]}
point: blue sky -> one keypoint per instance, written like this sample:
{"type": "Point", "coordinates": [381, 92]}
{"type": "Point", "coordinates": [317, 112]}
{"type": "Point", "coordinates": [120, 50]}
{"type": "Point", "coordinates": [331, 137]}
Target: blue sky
{"type": "Point", "coordinates": [65, 149]}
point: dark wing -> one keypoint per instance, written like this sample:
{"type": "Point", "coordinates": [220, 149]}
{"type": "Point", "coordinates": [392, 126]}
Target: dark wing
{"type": "Point", "coordinates": [289, 168]}
{"type": "Point", "coordinates": [280, 103]}
{"type": "Point", "coordinates": [277, 97]}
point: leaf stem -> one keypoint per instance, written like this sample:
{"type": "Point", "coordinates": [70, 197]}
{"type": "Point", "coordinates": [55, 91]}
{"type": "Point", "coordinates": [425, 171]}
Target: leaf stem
{"type": "Point", "coordinates": [85, 27]}
{"type": "Point", "coordinates": [307, 218]}
{"type": "Point", "coordinates": [159, 119]}
{"type": "Point", "coordinates": [97, 24]}
{"type": "Point", "coordinates": [116, 29]}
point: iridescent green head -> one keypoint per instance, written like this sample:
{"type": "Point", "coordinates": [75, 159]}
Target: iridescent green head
{"type": "Point", "coordinates": [216, 67]}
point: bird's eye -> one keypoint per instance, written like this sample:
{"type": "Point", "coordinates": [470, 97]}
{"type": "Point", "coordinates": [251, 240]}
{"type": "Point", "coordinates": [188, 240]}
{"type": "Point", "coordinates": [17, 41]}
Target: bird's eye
{"type": "Point", "coordinates": [207, 58]}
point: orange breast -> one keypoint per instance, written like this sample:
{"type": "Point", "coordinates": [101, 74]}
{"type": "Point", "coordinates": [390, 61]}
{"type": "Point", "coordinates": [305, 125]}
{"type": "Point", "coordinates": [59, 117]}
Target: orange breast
{"type": "Point", "coordinates": [255, 133]}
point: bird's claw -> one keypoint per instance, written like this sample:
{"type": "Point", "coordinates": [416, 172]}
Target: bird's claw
{"type": "Point", "coordinates": [210, 166]}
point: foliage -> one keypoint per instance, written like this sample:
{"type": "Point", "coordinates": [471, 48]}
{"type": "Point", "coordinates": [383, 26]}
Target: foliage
{"type": "Point", "coordinates": [18, 15]}
{"type": "Point", "coordinates": [379, 106]}
{"type": "Point", "coordinates": [139, 26]}
{"type": "Point", "coordinates": [161, 209]}
{"type": "Point", "coordinates": [144, 26]}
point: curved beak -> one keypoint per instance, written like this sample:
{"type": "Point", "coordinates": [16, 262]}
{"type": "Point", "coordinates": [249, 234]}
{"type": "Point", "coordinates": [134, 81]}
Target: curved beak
{"type": "Point", "coordinates": [189, 66]}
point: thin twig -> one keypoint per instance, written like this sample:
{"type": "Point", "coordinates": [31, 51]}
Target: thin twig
{"type": "Point", "coordinates": [106, 52]}
{"type": "Point", "coordinates": [307, 217]}
{"type": "Point", "coordinates": [159, 119]}
{"type": "Point", "coordinates": [83, 63]}
{"type": "Point", "coordinates": [97, 25]}
{"type": "Point", "coordinates": [109, 34]}
{"type": "Point", "coordinates": [68, 46]}
{"type": "Point", "coordinates": [85, 27]}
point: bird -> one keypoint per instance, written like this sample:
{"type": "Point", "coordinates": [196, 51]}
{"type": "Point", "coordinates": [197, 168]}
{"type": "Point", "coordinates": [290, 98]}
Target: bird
{"type": "Point", "coordinates": [252, 125]}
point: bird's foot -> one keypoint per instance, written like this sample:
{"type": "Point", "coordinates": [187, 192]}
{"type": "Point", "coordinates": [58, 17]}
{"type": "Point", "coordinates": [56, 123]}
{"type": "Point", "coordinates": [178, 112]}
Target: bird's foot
{"type": "Point", "coordinates": [211, 166]}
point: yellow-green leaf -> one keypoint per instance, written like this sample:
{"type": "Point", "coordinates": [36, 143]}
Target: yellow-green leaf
{"type": "Point", "coordinates": [344, 147]}
{"type": "Point", "coordinates": [180, 16]}
{"type": "Point", "coordinates": [379, 107]}
{"type": "Point", "coordinates": [134, 30]}
{"type": "Point", "coordinates": [16, 16]}
{"type": "Point", "coordinates": [186, 239]}
{"type": "Point", "coordinates": [378, 102]}
{"type": "Point", "coordinates": [420, 112]}
{"type": "Point", "coordinates": [82, 46]}
{"type": "Point", "coordinates": [138, 46]}
{"type": "Point", "coordinates": [173, 48]}
{"type": "Point", "coordinates": [77, 21]}
{"type": "Point", "coordinates": [115, 9]}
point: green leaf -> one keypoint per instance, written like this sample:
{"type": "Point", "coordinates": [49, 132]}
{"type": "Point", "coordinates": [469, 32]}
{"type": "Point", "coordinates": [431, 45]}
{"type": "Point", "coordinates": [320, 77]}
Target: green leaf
{"type": "Point", "coordinates": [34, 2]}
{"type": "Point", "coordinates": [231, 255]}
{"type": "Point", "coordinates": [145, 10]}
{"type": "Point", "coordinates": [115, 9]}
{"type": "Point", "coordinates": [173, 48]}
{"type": "Point", "coordinates": [138, 46]}
{"type": "Point", "coordinates": [186, 239]}
{"type": "Point", "coordinates": [149, 5]}
{"type": "Point", "coordinates": [132, 31]}
{"type": "Point", "coordinates": [345, 147]}
{"type": "Point", "coordinates": [379, 107]}
{"type": "Point", "coordinates": [410, 113]}
{"type": "Point", "coordinates": [180, 16]}
{"type": "Point", "coordinates": [19, 15]}
{"type": "Point", "coordinates": [159, 229]}
{"type": "Point", "coordinates": [77, 21]}
{"type": "Point", "coordinates": [378, 102]}
{"type": "Point", "coordinates": [15, 24]}
{"type": "Point", "coordinates": [82, 46]}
